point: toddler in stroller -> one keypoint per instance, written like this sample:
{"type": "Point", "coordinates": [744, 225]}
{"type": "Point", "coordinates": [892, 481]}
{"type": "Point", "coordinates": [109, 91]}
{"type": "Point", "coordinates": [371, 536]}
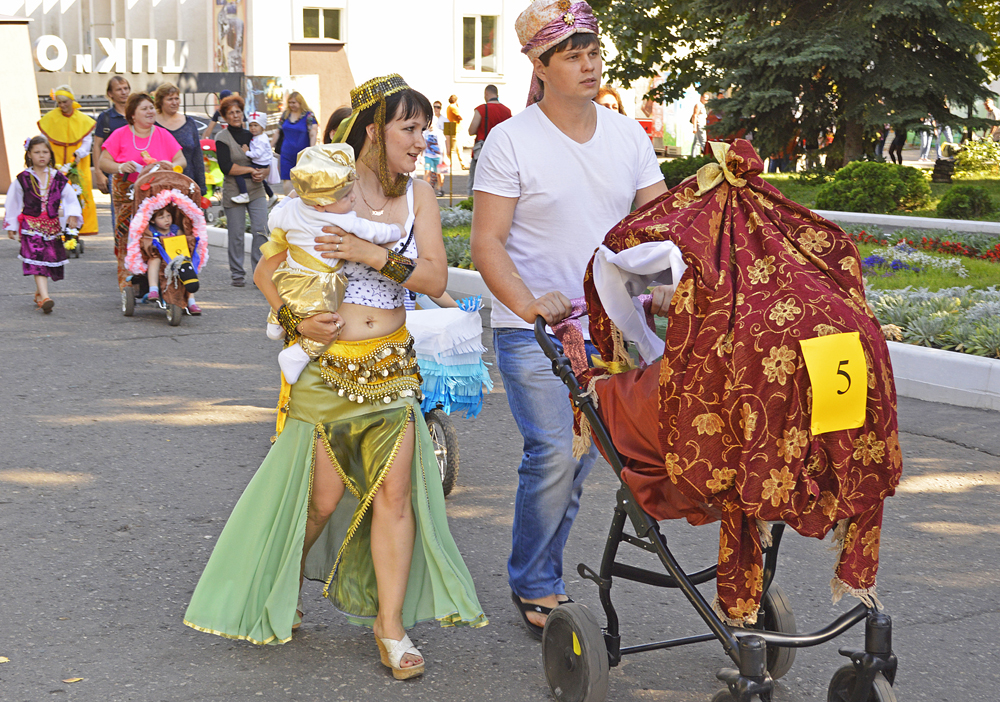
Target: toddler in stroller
{"type": "Point", "coordinates": [770, 403]}
{"type": "Point", "coordinates": [167, 243]}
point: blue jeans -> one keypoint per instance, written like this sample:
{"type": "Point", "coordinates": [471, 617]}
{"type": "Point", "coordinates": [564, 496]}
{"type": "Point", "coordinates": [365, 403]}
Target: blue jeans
{"type": "Point", "coordinates": [926, 138]}
{"type": "Point", "coordinates": [550, 480]}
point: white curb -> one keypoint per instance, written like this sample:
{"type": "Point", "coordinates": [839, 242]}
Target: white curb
{"type": "Point", "coordinates": [946, 376]}
{"type": "Point", "coordinates": [902, 221]}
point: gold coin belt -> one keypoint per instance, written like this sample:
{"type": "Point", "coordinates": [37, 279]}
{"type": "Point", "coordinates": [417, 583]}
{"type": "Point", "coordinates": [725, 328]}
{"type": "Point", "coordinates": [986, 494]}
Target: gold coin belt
{"type": "Point", "coordinates": [384, 374]}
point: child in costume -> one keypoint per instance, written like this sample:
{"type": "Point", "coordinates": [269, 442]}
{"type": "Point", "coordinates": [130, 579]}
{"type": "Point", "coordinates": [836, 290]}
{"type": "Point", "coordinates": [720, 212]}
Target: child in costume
{"type": "Point", "coordinates": [32, 212]}
{"type": "Point", "coordinates": [308, 285]}
{"type": "Point", "coordinates": [160, 224]}
{"type": "Point", "coordinates": [260, 154]}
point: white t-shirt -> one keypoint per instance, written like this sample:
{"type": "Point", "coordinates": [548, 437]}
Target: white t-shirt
{"type": "Point", "coordinates": [259, 150]}
{"type": "Point", "coordinates": [569, 194]}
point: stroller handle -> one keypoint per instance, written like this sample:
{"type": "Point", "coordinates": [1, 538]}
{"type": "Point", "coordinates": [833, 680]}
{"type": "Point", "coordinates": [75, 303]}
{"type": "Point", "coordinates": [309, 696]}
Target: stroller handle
{"type": "Point", "coordinates": [545, 341]}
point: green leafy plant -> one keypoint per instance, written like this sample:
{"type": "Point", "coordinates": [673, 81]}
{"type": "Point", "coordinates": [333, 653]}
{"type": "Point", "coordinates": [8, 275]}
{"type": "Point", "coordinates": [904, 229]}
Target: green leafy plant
{"type": "Point", "coordinates": [864, 186]}
{"type": "Point", "coordinates": [676, 170]}
{"type": "Point", "coordinates": [977, 159]}
{"type": "Point", "coordinates": [466, 204]}
{"type": "Point", "coordinates": [985, 339]}
{"type": "Point", "coordinates": [964, 201]}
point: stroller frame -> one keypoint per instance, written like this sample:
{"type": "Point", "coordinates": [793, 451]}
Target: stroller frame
{"type": "Point", "coordinates": [577, 671]}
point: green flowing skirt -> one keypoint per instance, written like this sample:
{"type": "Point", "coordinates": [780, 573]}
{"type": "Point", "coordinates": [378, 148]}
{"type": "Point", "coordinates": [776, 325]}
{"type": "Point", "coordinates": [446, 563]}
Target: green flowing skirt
{"type": "Point", "coordinates": [250, 586]}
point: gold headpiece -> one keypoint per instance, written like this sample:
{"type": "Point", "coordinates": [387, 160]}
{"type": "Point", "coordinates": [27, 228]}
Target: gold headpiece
{"type": "Point", "coordinates": [324, 173]}
{"type": "Point", "coordinates": [366, 95]}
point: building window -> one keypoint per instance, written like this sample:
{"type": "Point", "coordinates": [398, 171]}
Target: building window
{"type": "Point", "coordinates": [479, 44]}
{"type": "Point", "coordinates": [320, 23]}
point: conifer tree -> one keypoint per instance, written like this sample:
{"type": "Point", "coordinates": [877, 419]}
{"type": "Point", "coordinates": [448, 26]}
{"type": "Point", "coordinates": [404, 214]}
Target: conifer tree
{"type": "Point", "coordinates": [797, 68]}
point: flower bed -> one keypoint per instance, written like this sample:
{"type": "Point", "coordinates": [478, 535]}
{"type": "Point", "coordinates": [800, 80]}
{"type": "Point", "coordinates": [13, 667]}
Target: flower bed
{"type": "Point", "coordinates": [968, 244]}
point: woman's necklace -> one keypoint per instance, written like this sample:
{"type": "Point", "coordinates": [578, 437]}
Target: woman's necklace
{"type": "Point", "coordinates": [375, 213]}
{"type": "Point", "coordinates": [144, 150]}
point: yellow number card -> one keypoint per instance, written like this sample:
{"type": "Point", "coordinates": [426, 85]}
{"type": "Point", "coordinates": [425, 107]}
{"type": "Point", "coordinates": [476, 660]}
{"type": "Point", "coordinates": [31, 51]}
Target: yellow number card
{"type": "Point", "coordinates": [175, 246]}
{"type": "Point", "coordinates": [839, 378]}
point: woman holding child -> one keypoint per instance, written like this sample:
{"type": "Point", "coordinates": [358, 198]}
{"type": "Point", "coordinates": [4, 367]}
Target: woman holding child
{"type": "Point", "coordinates": [233, 162]}
{"type": "Point", "coordinates": [349, 493]}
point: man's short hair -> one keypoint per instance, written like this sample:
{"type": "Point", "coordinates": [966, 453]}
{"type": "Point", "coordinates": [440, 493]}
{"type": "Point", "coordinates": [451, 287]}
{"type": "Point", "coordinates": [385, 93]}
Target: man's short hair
{"type": "Point", "coordinates": [492, 90]}
{"type": "Point", "coordinates": [114, 80]}
{"type": "Point", "coordinates": [580, 40]}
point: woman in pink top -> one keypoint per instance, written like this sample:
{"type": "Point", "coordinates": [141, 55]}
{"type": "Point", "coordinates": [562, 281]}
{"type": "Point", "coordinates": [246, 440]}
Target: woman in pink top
{"type": "Point", "coordinates": [124, 153]}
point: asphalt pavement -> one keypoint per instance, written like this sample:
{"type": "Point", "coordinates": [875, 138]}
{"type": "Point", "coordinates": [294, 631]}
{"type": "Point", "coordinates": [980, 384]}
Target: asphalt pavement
{"type": "Point", "coordinates": [126, 443]}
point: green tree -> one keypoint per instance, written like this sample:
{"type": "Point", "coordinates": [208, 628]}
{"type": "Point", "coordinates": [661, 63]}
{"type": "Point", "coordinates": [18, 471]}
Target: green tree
{"type": "Point", "coordinates": [984, 16]}
{"type": "Point", "coordinates": [800, 67]}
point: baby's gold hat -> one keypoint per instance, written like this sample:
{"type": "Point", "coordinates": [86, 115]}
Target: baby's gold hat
{"type": "Point", "coordinates": [323, 173]}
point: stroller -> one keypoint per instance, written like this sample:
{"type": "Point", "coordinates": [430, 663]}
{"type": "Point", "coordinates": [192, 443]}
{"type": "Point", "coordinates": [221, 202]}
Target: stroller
{"type": "Point", "coordinates": [693, 425]}
{"type": "Point", "coordinates": [213, 181]}
{"type": "Point", "coordinates": [183, 255]}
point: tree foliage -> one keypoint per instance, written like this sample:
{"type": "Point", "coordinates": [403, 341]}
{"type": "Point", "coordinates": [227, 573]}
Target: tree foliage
{"type": "Point", "coordinates": [800, 67]}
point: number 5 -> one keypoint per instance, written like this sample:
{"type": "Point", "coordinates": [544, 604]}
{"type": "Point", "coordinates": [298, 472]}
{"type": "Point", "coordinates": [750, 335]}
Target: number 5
{"type": "Point", "coordinates": [841, 371]}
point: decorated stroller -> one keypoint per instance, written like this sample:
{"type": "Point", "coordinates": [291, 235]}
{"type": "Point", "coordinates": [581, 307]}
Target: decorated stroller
{"type": "Point", "coordinates": [184, 254]}
{"type": "Point", "coordinates": [449, 348]}
{"type": "Point", "coordinates": [769, 404]}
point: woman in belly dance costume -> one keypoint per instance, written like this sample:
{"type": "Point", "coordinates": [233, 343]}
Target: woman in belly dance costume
{"type": "Point", "coordinates": [350, 493]}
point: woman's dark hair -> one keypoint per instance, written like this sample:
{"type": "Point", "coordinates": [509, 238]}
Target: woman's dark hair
{"type": "Point", "coordinates": [338, 116]}
{"type": "Point", "coordinates": [35, 141]}
{"type": "Point", "coordinates": [406, 104]}
{"type": "Point", "coordinates": [133, 104]}
{"type": "Point", "coordinates": [227, 104]}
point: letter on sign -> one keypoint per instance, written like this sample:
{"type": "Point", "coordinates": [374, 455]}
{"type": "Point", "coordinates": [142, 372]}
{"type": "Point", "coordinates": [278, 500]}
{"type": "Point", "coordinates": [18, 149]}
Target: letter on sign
{"type": "Point", "coordinates": [115, 59]}
{"type": "Point", "coordinates": [137, 47]}
{"type": "Point", "coordinates": [172, 65]}
{"type": "Point", "coordinates": [838, 374]}
{"type": "Point", "coordinates": [42, 46]}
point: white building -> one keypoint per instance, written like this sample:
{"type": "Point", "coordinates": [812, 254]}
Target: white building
{"type": "Point", "coordinates": [441, 47]}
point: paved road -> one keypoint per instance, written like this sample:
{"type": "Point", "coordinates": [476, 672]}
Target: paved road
{"type": "Point", "coordinates": [126, 443]}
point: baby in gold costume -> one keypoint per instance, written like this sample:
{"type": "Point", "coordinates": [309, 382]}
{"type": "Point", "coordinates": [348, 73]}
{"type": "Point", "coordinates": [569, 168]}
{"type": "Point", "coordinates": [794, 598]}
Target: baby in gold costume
{"type": "Point", "coordinates": [308, 284]}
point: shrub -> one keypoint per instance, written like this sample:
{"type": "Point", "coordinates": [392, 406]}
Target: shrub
{"type": "Point", "coordinates": [676, 170]}
{"type": "Point", "coordinates": [977, 159]}
{"type": "Point", "coordinates": [813, 176]}
{"type": "Point", "coordinates": [917, 192]}
{"type": "Point", "coordinates": [466, 204]}
{"type": "Point", "coordinates": [880, 188]}
{"type": "Point", "coordinates": [965, 201]}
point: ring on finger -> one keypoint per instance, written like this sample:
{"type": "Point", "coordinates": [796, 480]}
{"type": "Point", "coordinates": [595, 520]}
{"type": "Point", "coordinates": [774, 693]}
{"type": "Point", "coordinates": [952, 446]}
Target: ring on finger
{"type": "Point", "coordinates": [338, 248]}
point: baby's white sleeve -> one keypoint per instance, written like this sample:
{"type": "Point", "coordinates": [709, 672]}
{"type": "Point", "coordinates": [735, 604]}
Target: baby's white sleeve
{"type": "Point", "coordinates": [375, 232]}
{"type": "Point", "coordinates": [260, 150]}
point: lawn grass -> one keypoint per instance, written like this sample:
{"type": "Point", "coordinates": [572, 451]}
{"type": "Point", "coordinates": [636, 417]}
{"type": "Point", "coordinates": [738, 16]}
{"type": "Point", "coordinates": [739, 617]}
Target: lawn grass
{"type": "Point", "coordinates": [805, 194]}
{"type": "Point", "coordinates": [982, 274]}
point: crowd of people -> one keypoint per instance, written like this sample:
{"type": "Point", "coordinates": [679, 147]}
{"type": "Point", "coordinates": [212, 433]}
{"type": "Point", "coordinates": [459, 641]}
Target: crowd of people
{"type": "Point", "coordinates": [333, 499]}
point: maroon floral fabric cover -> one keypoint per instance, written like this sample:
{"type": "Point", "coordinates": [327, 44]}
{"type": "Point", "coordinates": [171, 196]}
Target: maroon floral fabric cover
{"type": "Point", "coordinates": [734, 406]}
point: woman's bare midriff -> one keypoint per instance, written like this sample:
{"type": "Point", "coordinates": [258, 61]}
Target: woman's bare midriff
{"type": "Point", "coordinates": [362, 322]}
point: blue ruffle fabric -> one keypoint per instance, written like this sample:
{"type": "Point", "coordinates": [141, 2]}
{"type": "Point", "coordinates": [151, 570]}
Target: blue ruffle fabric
{"type": "Point", "coordinates": [449, 348]}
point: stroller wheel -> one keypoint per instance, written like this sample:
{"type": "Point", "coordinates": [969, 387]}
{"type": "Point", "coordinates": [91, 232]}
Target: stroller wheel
{"type": "Point", "coordinates": [445, 440]}
{"type": "Point", "coordinates": [842, 684]}
{"type": "Point", "coordinates": [174, 315]}
{"type": "Point", "coordinates": [79, 246]}
{"type": "Point", "coordinates": [128, 301]}
{"type": "Point", "coordinates": [777, 616]}
{"type": "Point", "coordinates": [574, 655]}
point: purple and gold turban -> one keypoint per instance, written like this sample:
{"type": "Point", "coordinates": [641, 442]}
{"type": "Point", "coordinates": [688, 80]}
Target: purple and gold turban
{"type": "Point", "coordinates": [546, 23]}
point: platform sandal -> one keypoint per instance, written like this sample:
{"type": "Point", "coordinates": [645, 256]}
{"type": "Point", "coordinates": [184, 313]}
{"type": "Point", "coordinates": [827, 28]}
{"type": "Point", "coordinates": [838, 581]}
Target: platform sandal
{"type": "Point", "coordinates": [392, 653]}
